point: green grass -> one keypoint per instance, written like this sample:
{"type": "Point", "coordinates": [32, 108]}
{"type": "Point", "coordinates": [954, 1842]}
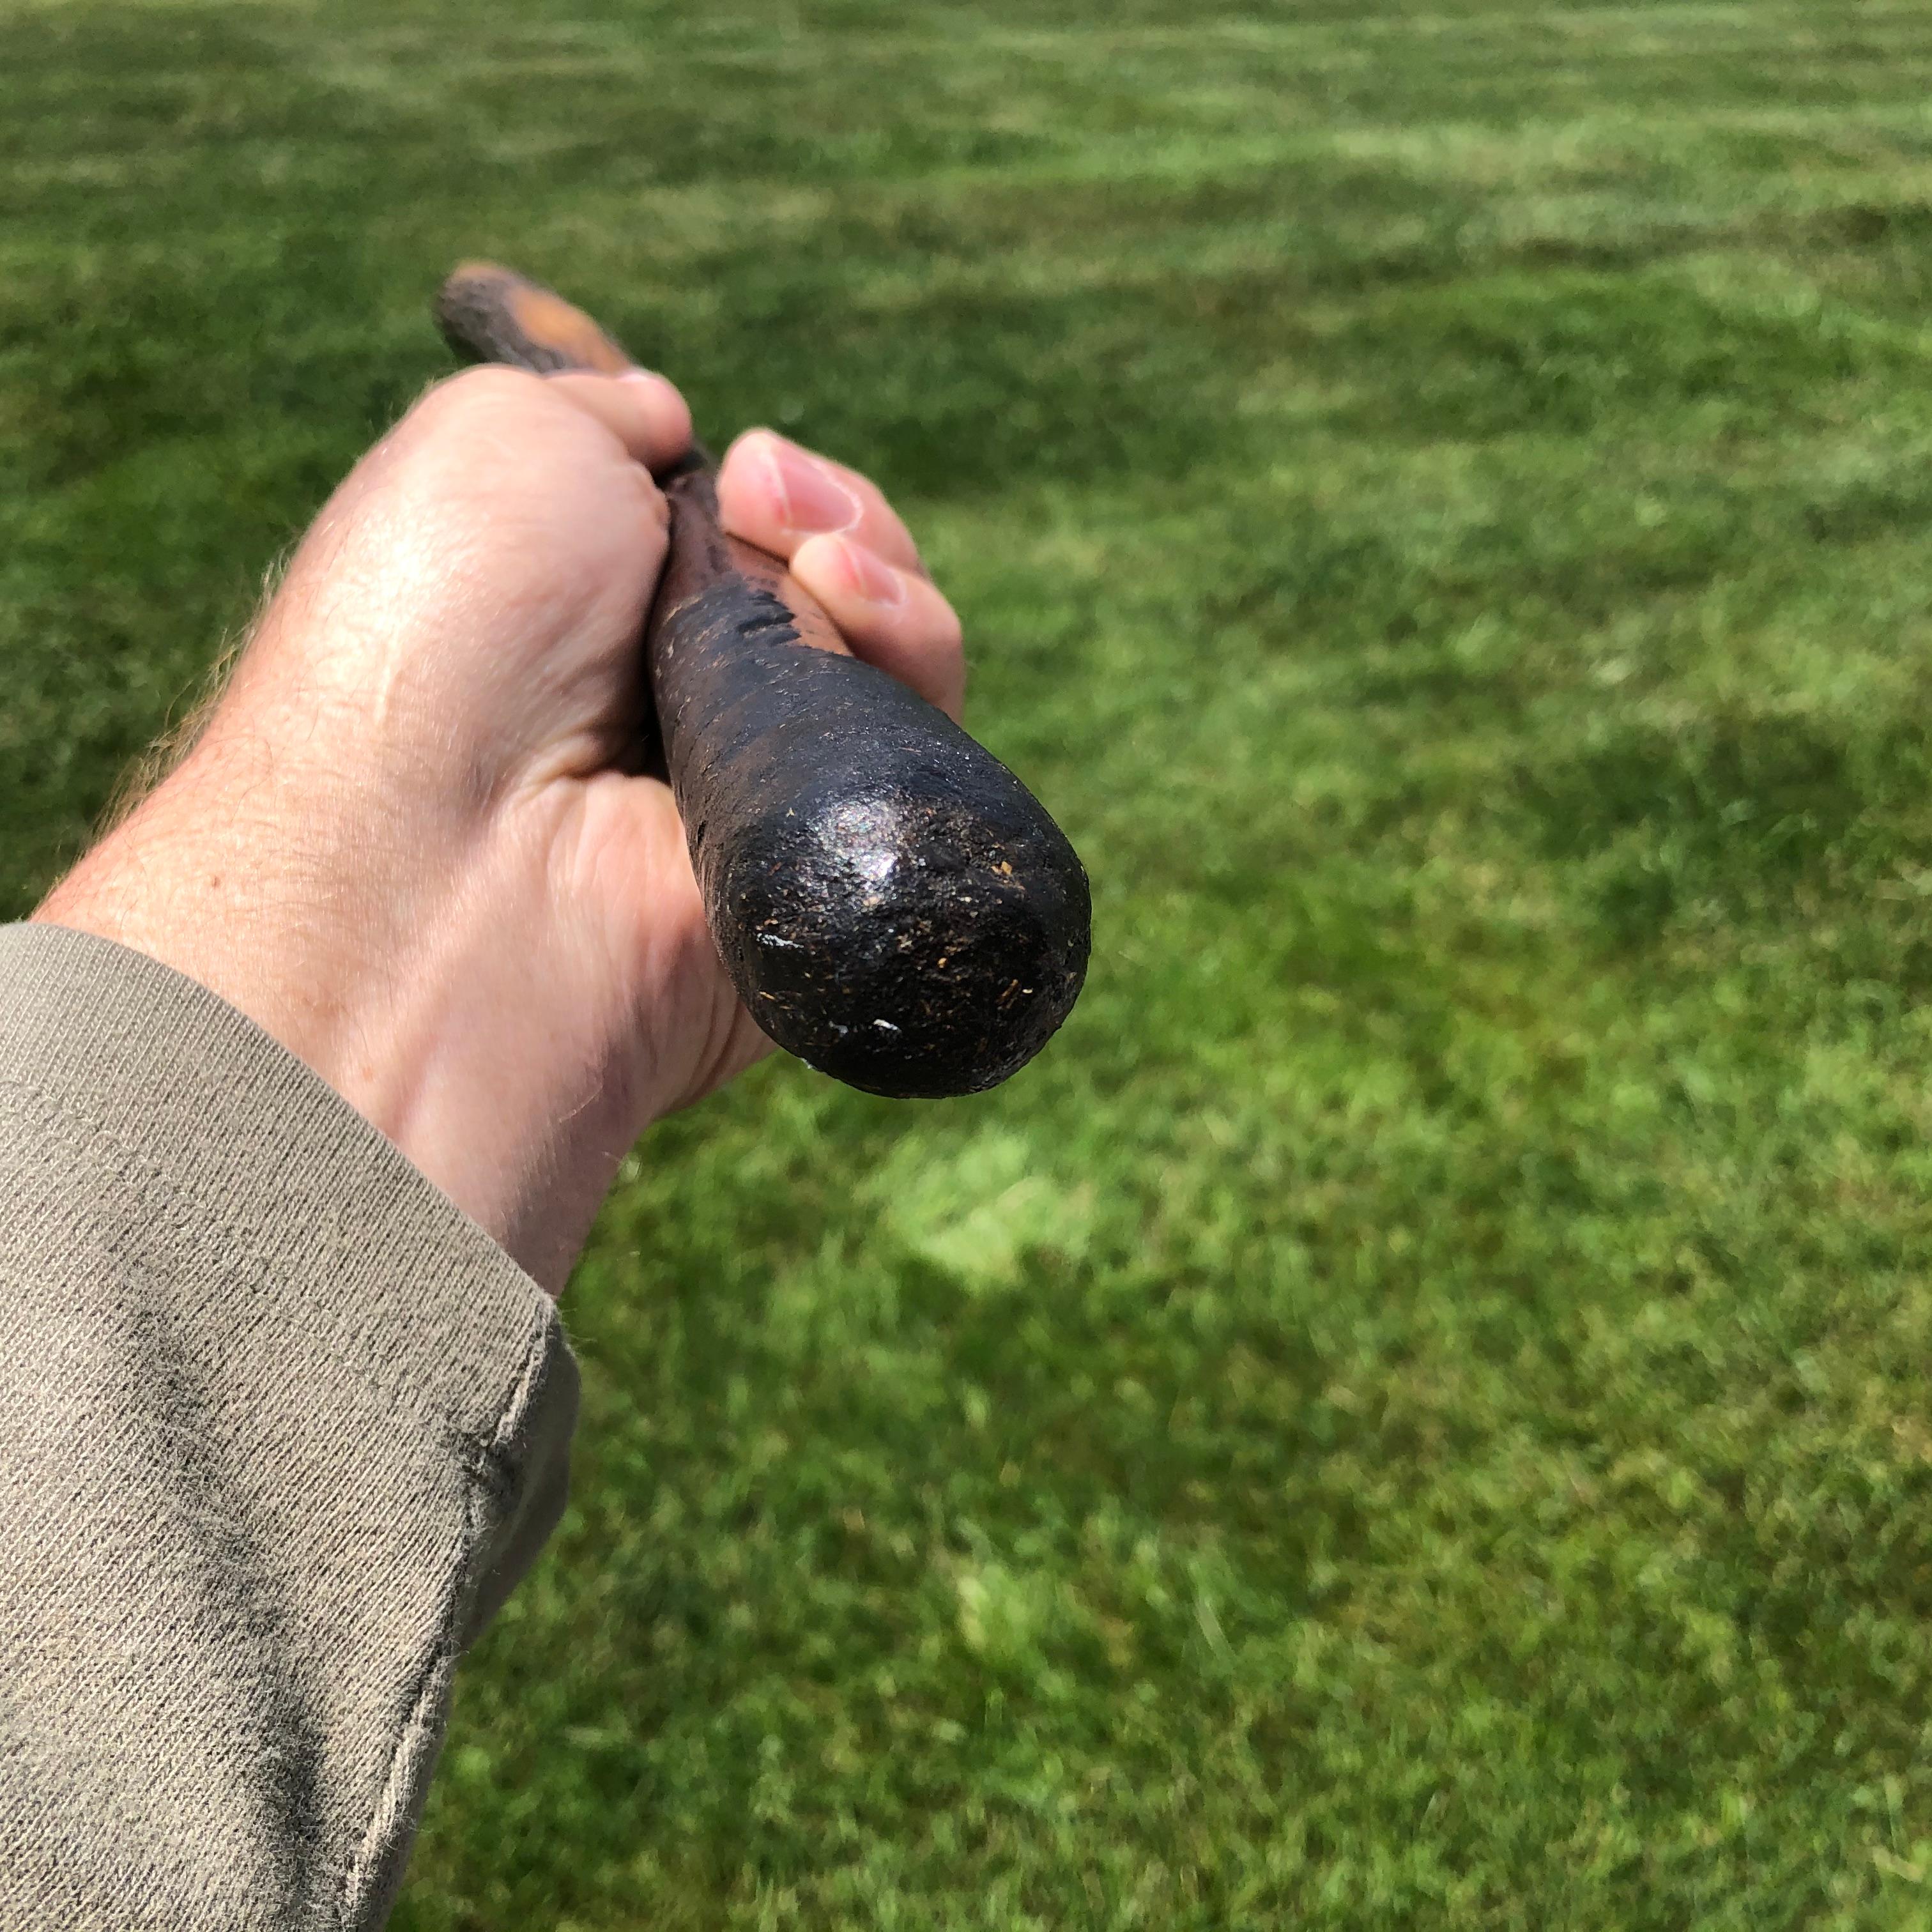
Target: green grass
{"type": "Point", "coordinates": [1417, 1411]}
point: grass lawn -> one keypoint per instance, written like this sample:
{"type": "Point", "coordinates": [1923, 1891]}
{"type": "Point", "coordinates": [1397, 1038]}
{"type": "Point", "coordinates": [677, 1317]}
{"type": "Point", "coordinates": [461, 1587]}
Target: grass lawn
{"type": "Point", "coordinates": [1417, 1411]}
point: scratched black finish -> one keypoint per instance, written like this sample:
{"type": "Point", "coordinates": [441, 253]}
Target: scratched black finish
{"type": "Point", "coordinates": [893, 905]}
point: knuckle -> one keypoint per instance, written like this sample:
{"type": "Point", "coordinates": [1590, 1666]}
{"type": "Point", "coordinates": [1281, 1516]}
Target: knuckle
{"type": "Point", "coordinates": [485, 391]}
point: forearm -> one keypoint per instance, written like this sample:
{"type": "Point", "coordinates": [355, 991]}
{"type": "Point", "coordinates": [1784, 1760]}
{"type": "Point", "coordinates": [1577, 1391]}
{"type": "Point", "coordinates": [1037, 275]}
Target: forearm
{"type": "Point", "coordinates": [278, 1428]}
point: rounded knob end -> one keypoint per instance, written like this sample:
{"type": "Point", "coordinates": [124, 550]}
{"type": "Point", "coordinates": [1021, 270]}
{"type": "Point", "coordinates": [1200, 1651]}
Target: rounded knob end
{"type": "Point", "coordinates": [911, 942]}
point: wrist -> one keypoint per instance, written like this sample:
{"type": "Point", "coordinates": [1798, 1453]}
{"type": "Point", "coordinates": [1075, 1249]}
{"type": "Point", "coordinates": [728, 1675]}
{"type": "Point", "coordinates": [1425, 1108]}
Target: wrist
{"type": "Point", "coordinates": [380, 961]}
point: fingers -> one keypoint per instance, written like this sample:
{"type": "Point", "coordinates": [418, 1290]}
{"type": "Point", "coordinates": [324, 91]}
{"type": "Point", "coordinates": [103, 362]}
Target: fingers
{"type": "Point", "coordinates": [643, 410]}
{"type": "Point", "coordinates": [846, 546]}
{"type": "Point", "coordinates": [774, 494]}
{"type": "Point", "coordinates": [893, 618]}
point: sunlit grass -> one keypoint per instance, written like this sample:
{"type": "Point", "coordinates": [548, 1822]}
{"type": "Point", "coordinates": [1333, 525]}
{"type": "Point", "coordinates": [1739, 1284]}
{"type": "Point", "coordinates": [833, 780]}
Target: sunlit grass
{"type": "Point", "coordinates": [1415, 1410]}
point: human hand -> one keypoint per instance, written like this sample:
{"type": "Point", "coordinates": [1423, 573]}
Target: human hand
{"type": "Point", "coordinates": [401, 843]}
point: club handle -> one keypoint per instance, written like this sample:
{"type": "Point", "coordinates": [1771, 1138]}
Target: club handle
{"type": "Point", "coordinates": [892, 904]}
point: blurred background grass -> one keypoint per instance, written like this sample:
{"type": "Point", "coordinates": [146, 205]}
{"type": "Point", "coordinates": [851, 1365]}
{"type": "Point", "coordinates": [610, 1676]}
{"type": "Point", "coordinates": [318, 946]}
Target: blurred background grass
{"type": "Point", "coordinates": [1415, 1410]}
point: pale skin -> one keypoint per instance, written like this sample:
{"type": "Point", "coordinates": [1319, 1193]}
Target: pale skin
{"type": "Point", "coordinates": [401, 844]}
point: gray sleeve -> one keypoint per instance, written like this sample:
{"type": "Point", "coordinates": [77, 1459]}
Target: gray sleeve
{"type": "Point", "coordinates": [280, 1426]}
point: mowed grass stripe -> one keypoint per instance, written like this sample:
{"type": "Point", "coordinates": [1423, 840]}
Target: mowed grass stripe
{"type": "Point", "coordinates": [1413, 1410]}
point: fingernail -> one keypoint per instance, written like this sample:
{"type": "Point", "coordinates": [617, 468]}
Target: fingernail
{"type": "Point", "coordinates": [868, 576]}
{"type": "Point", "coordinates": [810, 501]}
